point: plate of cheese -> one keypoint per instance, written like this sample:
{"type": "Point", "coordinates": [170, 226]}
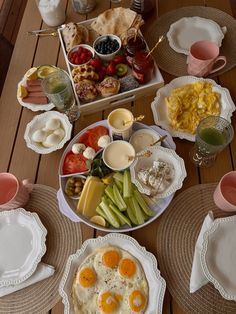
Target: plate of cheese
{"type": "Point", "coordinates": [180, 105]}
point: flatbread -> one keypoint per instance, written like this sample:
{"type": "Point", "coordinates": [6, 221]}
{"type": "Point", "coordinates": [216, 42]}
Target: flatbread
{"type": "Point", "coordinates": [74, 34]}
{"type": "Point", "coordinates": [114, 21]}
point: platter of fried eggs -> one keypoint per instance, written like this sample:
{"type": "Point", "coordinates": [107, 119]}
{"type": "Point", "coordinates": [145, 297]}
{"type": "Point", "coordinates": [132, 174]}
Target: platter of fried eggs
{"type": "Point", "coordinates": [180, 105]}
{"type": "Point", "coordinates": [112, 274]}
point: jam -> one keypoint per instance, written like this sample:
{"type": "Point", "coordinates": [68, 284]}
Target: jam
{"type": "Point", "coordinates": [142, 67]}
{"type": "Point", "coordinates": [133, 45]}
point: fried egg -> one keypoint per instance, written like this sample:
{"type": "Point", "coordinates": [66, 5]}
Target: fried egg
{"type": "Point", "coordinates": [189, 104]}
{"type": "Point", "coordinates": [110, 280]}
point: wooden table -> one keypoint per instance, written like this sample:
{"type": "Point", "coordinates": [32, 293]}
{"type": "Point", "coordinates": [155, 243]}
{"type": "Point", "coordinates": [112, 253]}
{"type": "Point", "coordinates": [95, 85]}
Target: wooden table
{"type": "Point", "coordinates": [24, 163]}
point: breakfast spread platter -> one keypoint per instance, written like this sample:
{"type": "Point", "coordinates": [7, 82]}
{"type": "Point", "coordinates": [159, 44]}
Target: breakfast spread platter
{"type": "Point", "coordinates": [25, 236]}
{"type": "Point", "coordinates": [144, 291]}
{"type": "Point", "coordinates": [187, 30]}
{"type": "Point", "coordinates": [107, 79]}
{"type": "Point", "coordinates": [218, 256]}
{"type": "Point", "coordinates": [181, 121]}
{"type": "Point", "coordinates": [74, 169]}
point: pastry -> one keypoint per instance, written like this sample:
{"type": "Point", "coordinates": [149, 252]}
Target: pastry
{"type": "Point", "coordinates": [109, 86]}
{"type": "Point", "coordinates": [74, 34]}
{"type": "Point", "coordinates": [86, 90]}
{"type": "Point", "coordinates": [84, 72]}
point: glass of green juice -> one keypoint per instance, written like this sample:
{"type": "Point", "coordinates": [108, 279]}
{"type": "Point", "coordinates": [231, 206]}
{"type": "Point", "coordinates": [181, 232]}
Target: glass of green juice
{"type": "Point", "coordinates": [57, 87]}
{"type": "Point", "coordinates": [213, 134]}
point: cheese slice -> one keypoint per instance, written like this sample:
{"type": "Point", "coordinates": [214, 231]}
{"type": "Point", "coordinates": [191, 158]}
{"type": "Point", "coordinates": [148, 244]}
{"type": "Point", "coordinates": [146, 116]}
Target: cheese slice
{"type": "Point", "coordinates": [83, 196]}
{"type": "Point", "coordinates": [93, 198]}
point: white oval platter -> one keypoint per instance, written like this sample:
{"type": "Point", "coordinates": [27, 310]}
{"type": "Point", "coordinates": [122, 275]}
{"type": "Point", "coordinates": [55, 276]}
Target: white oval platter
{"type": "Point", "coordinates": [22, 245]}
{"type": "Point", "coordinates": [148, 261]}
{"type": "Point", "coordinates": [159, 107]}
{"type": "Point", "coordinates": [218, 256]}
{"type": "Point", "coordinates": [183, 33]}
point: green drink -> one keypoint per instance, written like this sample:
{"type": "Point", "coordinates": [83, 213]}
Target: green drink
{"type": "Point", "coordinates": [57, 87]}
{"type": "Point", "coordinates": [212, 136]}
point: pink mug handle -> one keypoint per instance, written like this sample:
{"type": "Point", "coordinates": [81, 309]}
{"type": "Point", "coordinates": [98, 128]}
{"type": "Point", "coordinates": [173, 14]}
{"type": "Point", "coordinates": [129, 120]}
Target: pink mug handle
{"type": "Point", "coordinates": [221, 66]}
{"type": "Point", "coordinates": [27, 183]}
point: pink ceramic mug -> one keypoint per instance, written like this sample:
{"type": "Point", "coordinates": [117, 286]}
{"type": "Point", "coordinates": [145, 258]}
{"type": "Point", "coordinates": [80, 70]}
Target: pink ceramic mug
{"type": "Point", "coordinates": [13, 193]}
{"type": "Point", "coordinates": [225, 193]}
{"type": "Point", "coordinates": [202, 57]}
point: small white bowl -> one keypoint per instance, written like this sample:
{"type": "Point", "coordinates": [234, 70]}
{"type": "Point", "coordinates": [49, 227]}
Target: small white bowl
{"type": "Point", "coordinates": [143, 138]}
{"type": "Point", "coordinates": [164, 154]}
{"type": "Point", "coordinates": [76, 48]}
{"type": "Point", "coordinates": [110, 56]}
{"type": "Point", "coordinates": [64, 183]}
{"type": "Point", "coordinates": [121, 150]}
{"type": "Point", "coordinates": [38, 122]}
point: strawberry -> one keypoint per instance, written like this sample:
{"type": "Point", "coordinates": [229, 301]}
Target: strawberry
{"type": "Point", "coordinates": [119, 59]}
{"type": "Point", "coordinates": [96, 63]}
{"type": "Point", "coordinates": [111, 69]}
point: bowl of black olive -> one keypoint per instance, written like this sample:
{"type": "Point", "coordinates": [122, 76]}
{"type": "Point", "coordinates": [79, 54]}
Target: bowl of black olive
{"type": "Point", "coordinates": [107, 46]}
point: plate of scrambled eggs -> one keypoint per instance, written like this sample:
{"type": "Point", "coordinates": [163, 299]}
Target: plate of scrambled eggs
{"type": "Point", "coordinates": [112, 274]}
{"type": "Point", "coordinates": [180, 105]}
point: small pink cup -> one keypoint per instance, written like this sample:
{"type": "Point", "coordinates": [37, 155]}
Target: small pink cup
{"type": "Point", "coordinates": [202, 57]}
{"type": "Point", "coordinates": [13, 193]}
{"type": "Point", "coordinates": [225, 192]}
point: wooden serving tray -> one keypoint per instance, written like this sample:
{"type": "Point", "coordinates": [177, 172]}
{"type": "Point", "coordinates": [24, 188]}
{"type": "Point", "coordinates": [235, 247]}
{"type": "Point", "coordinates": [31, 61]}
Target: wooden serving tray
{"type": "Point", "coordinates": [119, 99]}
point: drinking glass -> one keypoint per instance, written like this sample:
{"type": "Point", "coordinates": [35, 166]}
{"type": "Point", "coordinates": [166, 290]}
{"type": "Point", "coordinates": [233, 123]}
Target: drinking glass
{"type": "Point", "coordinates": [213, 134]}
{"type": "Point", "coordinates": [57, 87]}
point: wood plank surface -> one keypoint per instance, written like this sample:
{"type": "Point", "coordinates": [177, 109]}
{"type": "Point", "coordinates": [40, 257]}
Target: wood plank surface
{"type": "Point", "coordinates": [24, 163]}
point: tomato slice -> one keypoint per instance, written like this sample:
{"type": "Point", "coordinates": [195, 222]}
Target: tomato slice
{"type": "Point", "coordinates": [74, 163]}
{"type": "Point", "coordinates": [95, 134]}
{"type": "Point", "coordinates": [84, 139]}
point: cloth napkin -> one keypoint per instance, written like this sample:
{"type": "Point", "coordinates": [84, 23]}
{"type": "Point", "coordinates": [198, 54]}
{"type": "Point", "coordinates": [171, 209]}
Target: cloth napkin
{"type": "Point", "coordinates": [198, 279]}
{"type": "Point", "coordinates": [42, 271]}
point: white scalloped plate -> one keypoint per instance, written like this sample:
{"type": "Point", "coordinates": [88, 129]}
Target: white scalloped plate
{"type": "Point", "coordinates": [33, 107]}
{"type": "Point", "coordinates": [218, 256]}
{"type": "Point", "coordinates": [148, 261]}
{"type": "Point", "coordinates": [159, 107]}
{"type": "Point", "coordinates": [22, 245]}
{"type": "Point", "coordinates": [183, 33]}
{"type": "Point", "coordinates": [165, 154]}
{"type": "Point", "coordinates": [38, 122]}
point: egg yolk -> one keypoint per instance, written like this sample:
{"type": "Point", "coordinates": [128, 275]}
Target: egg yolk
{"type": "Point", "coordinates": [137, 301]}
{"type": "Point", "coordinates": [111, 259]}
{"type": "Point", "coordinates": [87, 277]}
{"type": "Point", "coordinates": [127, 268]}
{"type": "Point", "coordinates": [108, 302]}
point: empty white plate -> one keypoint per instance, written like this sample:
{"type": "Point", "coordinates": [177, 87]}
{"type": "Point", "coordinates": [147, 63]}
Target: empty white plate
{"type": "Point", "coordinates": [22, 245]}
{"type": "Point", "coordinates": [183, 33]}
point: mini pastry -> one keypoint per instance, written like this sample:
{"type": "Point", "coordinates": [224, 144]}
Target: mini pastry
{"type": "Point", "coordinates": [128, 83]}
{"type": "Point", "coordinates": [86, 90]}
{"type": "Point", "coordinates": [109, 86]}
{"type": "Point", "coordinates": [84, 72]}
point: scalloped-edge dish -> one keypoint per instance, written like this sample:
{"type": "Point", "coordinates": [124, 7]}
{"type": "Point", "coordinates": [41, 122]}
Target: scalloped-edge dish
{"type": "Point", "coordinates": [183, 33]}
{"type": "Point", "coordinates": [159, 107]}
{"type": "Point", "coordinates": [164, 154]}
{"type": "Point", "coordinates": [148, 261]}
{"type": "Point", "coordinates": [218, 256]}
{"type": "Point", "coordinates": [33, 107]}
{"type": "Point", "coordinates": [38, 122]}
{"type": "Point", "coordinates": [22, 245]}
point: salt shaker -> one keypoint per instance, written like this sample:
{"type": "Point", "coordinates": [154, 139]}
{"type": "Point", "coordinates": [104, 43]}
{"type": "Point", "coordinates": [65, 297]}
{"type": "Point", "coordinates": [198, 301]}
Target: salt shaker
{"type": "Point", "coordinates": [83, 6]}
{"type": "Point", "coordinates": [52, 11]}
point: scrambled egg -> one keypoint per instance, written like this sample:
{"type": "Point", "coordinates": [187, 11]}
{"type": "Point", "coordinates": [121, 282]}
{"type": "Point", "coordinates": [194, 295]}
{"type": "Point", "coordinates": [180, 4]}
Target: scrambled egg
{"type": "Point", "coordinates": [189, 104]}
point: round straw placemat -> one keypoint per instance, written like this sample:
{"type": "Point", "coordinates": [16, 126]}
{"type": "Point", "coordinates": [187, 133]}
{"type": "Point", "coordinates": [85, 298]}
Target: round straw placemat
{"type": "Point", "coordinates": [175, 63]}
{"type": "Point", "coordinates": [177, 236]}
{"type": "Point", "coordinates": [63, 239]}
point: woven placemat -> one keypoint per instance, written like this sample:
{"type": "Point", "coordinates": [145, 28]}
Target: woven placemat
{"type": "Point", "coordinates": [177, 235]}
{"type": "Point", "coordinates": [63, 239]}
{"type": "Point", "coordinates": [175, 63]}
